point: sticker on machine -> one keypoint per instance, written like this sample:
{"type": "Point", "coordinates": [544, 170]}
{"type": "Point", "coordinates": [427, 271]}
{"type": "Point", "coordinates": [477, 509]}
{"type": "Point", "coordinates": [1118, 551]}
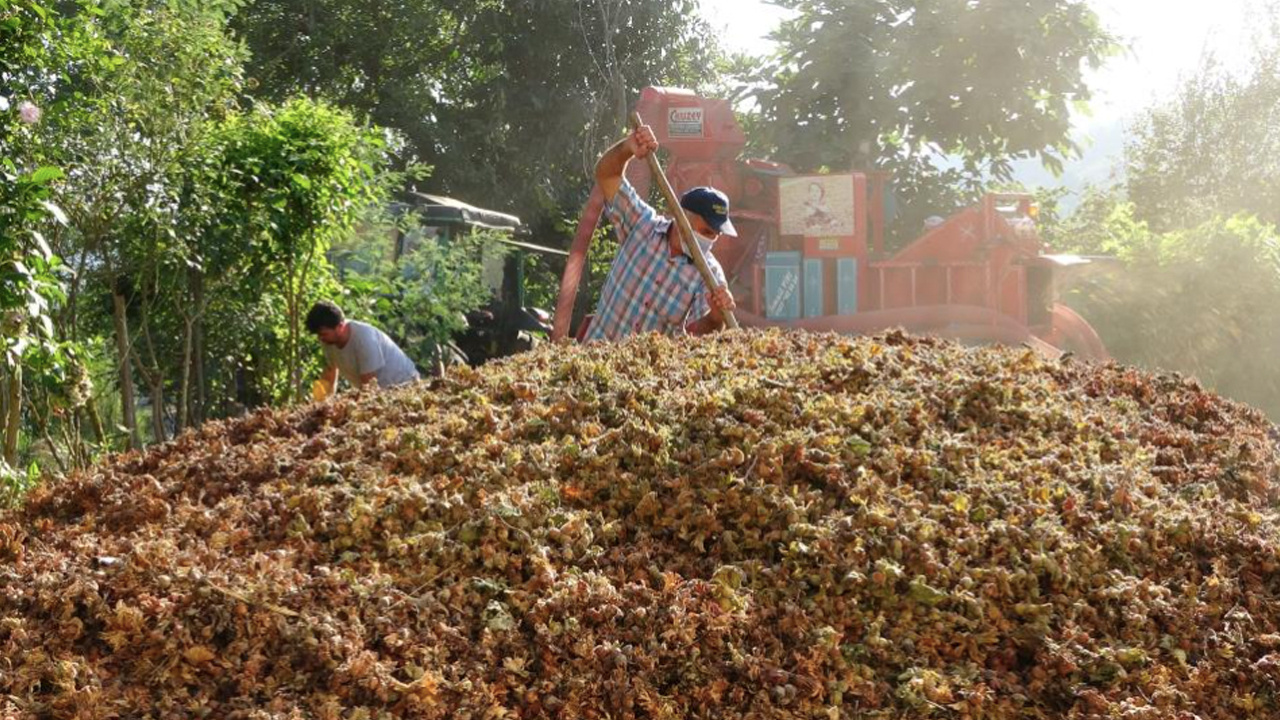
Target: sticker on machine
{"type": "Point", "coordinates": [685, 122]}
{"type": "Point", "coordinates": [817, 206]}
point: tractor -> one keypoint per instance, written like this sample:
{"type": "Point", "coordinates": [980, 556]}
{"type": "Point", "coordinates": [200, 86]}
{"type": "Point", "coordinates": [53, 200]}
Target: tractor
{"type": "Point", "coordinates": [810, 251]}
{"type": "Point", "coordinates": [506, 324]}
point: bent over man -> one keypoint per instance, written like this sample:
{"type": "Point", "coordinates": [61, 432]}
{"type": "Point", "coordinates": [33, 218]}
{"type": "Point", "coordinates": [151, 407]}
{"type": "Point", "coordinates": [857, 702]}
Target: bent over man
{"type": "Point", "coordinates": [360, 352]}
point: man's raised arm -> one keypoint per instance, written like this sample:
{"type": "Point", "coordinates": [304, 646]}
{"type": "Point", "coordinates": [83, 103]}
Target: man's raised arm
{"type": "Point", "coordinates": [612, 166]}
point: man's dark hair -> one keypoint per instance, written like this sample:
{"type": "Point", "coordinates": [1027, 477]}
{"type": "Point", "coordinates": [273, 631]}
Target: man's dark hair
{"type": "Point", "coordinates": [324, 314]}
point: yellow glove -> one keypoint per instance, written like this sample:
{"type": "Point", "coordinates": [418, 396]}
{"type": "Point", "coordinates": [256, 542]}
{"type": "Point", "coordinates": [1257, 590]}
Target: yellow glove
{"type": "Point", "coordinates": [319, 390]}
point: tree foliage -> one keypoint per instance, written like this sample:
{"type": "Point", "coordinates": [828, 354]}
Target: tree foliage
{"type": "Point", "coordinates": [36, 48]}
{"type": "Point", "coordinates": [1203, 300]}
{"type": "Point", "coordinates": [129, 130]}
{"type": "Point", "coordinates": [110, 104]}
{"type": "Point", "coordinates": [194, 225]}
{"type": "Point", "coordinates": [289, 180]}
{"type": "Point", "coordinates": [921, 85]}
{"type": "Point", "coordinates": [509, 100]}
{"type": "Point", "coordinates": [1195, 281]}
{"type": "Point", "coordinates": [1215, 147]}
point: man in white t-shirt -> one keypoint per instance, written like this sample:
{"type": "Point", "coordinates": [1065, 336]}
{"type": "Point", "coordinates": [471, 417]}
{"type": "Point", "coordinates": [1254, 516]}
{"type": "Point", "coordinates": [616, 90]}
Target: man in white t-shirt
{"type": "Point", "coordinates": [362, 353]}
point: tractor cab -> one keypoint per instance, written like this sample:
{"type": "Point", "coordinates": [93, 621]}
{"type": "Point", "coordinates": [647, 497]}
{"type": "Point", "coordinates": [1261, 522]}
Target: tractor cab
{"type": "Point", "coordinates": [506, 325]}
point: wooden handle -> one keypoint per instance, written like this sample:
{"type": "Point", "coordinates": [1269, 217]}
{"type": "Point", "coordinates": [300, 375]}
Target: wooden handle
{"type": "Point", "coordinates": [686, 231]}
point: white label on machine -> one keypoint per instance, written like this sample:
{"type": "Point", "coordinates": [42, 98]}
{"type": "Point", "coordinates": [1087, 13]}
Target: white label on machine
{"type": "Point", "coordinates": [685, 122]}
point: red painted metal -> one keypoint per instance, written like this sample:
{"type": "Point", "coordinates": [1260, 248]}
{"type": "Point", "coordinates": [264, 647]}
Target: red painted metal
{"type": "Point", "coordinates": [875, 202]}
{"type": "Point", "coordinates": [1071, 332]}
{"type": "Point", "coordinates": [968, 278]}
{"type": "Point", "coordinates": [692, 128]}
{"type": "Point", "coordinates": [924, 317]}
{"type": "Point", "coordinates": [574, 265]}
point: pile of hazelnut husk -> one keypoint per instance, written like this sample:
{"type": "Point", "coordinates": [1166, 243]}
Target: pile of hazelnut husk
{"type": "Point", "coordinates": [750, 525]}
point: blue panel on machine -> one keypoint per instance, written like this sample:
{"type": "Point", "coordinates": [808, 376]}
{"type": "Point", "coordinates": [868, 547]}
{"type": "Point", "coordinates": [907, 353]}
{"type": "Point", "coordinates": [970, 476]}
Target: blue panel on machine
{"type": "Point", "coordinates": [782, 285]}
{"type": "Point", "coordinates": [813, 287]}
{"type": "Point", "coordinates": [847, 286]}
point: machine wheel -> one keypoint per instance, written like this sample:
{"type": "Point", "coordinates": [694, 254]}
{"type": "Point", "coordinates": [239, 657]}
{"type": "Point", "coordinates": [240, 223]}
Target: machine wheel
{"type": "Point", "coordinates": [1072, 333]}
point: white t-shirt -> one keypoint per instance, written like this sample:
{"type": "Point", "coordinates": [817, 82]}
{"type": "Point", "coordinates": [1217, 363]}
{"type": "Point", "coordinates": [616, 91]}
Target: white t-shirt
{"type": "Point", "coordinates": [369, 350]}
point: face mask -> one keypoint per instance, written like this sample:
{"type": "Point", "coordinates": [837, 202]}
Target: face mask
{"type": "Point", "coordinates": [704, 242]}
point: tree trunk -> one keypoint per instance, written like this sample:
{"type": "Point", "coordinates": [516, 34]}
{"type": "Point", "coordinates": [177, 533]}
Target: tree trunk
{"type": "Point", "coordinates": [155, 380]}
{"type": "Point", "coordinates": [200, 408]}
{"type": "Point", "coordinates": [291, 344]}
{"type": "Point", "coordinates": [4, 413]}
{"type": "Point", "coordinates": [14, 422]}
{"type": "Point", "coordinates": [198, 411]}
{"type": "Point", "coordinates": [613, 67]}
{"type": "Point", "coordinates": [73, 434]}
{"type": "Point", "coordinates": [184, 398]}
{"type": "Point", "coordinates": [95, 421]}
{"type": "Point", "coordinates": [157, 413]}
{"type": "Point", "coordinates": [155, 391]}
{"type": "Point", "coordinates": [294, 355]}
{"type": "Point", "coordinates": [42, 420]}
{"type": "Point", "coordinates": [73, 319]}
{"type": "Point", "coordinates": [297, 292]}
{"type": "Point", "coordinates": [128, 408]}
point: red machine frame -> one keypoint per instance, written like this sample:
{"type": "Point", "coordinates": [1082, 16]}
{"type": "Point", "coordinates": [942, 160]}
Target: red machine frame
{"type": "Point", "coordinates": [981, 275]}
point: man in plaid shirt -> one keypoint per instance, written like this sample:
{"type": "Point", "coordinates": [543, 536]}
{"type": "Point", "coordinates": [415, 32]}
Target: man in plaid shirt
{"type": "Point", "coordinates": [653, 284]}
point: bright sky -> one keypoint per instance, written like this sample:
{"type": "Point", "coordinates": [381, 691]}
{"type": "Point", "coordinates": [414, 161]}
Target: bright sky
{"type": "Point", "coordinates": [1166, 39]}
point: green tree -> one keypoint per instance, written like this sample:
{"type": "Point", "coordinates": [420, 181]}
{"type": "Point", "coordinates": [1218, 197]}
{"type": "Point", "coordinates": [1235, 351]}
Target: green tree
{"type": "Point", "coordinates": [36, 48]}
{"type": "Point", "coordinates": [1196, 282]}
{"type": "Point", "coordinates": [129, 132]}
{"type": "Point", "coordinates": [296, 177]}
{"type": "Point", "coordinates": [506, 99]}
{"type": "Point", "coordinates": [1214, 147]}
{"type": "Point", "coordinates": [1103, 223]}
{"type": "Point", "coordinates": [1204, 301]}
{"type": "Point", "coordinates": [922, 85]}
{"type": "Point", "coordinates": [184, 207]}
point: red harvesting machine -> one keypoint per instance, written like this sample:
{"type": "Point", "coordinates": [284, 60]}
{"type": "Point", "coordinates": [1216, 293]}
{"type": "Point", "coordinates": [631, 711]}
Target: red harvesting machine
{"type": "Point", "coordinates": [810, 248]}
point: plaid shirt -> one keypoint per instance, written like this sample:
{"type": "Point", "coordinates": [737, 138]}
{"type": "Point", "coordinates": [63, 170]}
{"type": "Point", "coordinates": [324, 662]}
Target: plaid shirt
{"type": "Point", "coordinates": [647, 289]}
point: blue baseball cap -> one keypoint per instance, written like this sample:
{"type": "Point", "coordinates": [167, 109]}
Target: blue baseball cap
{"type": "Point", "coordinates": [713, 206]}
